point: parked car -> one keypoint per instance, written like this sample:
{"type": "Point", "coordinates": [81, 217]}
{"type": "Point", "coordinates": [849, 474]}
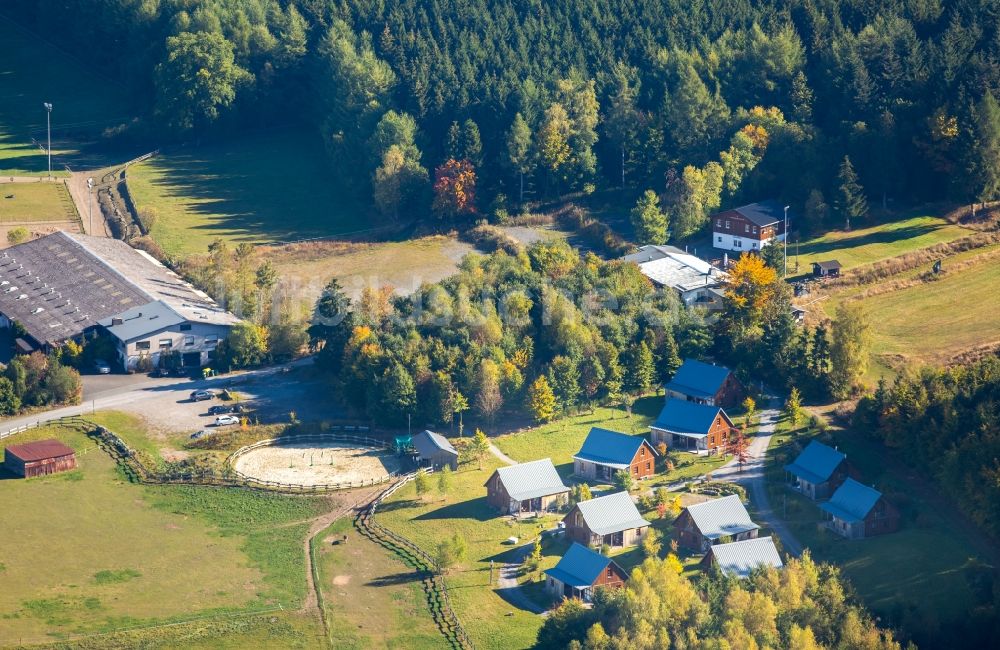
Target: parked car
{"type": "Point", "coordinates": [201, 434]}
{"type": "Point", "coordinates": [218, 409]}
{"type": "Point", "coordinates": [102, 367]}
{"type": "Point", "coordinates": [224, 420]}
{"type": "Point", "coordinates": [241, 408]}
{"type": "Point", "coordinates": [201, 395]}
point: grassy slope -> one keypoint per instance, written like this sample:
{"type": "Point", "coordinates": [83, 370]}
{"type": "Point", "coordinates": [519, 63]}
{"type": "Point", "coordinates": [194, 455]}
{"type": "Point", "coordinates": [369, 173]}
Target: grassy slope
{"type": "Point", "coordinates": [35, 202]}
{"type": "Point", "coordinates": [175, 539]}
{"type": "Point", "coordinates": [867, 245]}
{"type": "Point", "coordinates": [372, 599]}
{"type": "Point", "coordinates": [274, 186]}
{"type": "Point", "coordinates": [917, 567]}
{"type": "Point", "coordinates": [32, 73]}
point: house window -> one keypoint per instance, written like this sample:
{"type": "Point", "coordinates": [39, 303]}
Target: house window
{"type": "Point", "coordinates": [754, 244]}
{"type": "Point", "coordinates": [185, 327]}
{"type": "Point", "coordinates": [755, 230]}
{"type": "Point", "coordinates": [635, 470]}
{"type": "Point", "coordinates": [642, 451]}
{"type": "Point", "coordinates": [610, 573]}
{"type": "Point", "coordinates": [727, 224]}
{"type": "Point", "coordinates": [647, 467]}
{"type": "Point", "coordinates": [211, 340]}
{"type": "Point", "coordinates": [188, 340]}
{"type": "Point", "coordinates": [746, 227]}
{"type": "Point", "coordinates": [720, 238]}
{"type": "Point", "coordinates": [142, 345]}
{"type": "Point", "coordinates": [166, 344]}
{"type": "Point", "coordinates": [718, 222]}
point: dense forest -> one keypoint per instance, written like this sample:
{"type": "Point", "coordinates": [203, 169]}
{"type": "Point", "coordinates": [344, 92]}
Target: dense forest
{"type": "Point", "coordinates": [555, 96]}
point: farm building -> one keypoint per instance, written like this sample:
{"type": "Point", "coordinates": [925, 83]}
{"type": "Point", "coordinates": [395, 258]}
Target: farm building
{"type": "Point", "coordinates": [749, 227]}
{"type": "Point", "coordinates": [719, 521]}
{"type": "Point", "coordinates": [697, 282]}
{"type": "Point", "coordinates": [739, 559]}
{"type": "Point", "coordinates": [65, 286]}
{"type": "Point", "coordinates": [605, 452]}
{"type": "Point", "coordinates": [580, 571]}
{"type": "Point", "coordinates": [704, 383]}
{"type": "Point", "coordinates": [526, 488]}
{"type": "Point", "coordinates": [613, 520]}
{"type": "Point", "coordinates": [39, 458]}
{"type": "Point", "coordinates": [700, 428]}
{"type": "Point", "coordinates": [857, 511]}
{"type": "Point", "coordinates": [434, 450]}
{"type": "Point", "coordinates": [826, 269]}
{"type": "Point", "coordinates": [818, 470]}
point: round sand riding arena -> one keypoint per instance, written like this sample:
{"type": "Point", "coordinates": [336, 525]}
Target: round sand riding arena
{"type": "Point", "coordinates": [317, 463]}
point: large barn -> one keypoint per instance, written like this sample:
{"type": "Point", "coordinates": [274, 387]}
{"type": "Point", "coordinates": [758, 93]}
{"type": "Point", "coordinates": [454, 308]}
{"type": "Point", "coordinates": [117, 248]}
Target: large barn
{"type": "Point", "coordinates": [64, 286]}
{"type": "Point", "coordinates": [39, 458]}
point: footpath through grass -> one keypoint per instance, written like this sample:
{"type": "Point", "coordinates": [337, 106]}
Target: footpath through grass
{"type": "Point", "coordinates": [91, 553]}
{"type": "Point", "coordinates": [264, 187]}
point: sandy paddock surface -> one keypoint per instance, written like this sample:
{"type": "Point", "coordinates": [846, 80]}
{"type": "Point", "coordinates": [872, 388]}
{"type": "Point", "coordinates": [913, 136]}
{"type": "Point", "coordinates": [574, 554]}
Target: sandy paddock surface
{"type": "Point", "coordinates": [317, 464]}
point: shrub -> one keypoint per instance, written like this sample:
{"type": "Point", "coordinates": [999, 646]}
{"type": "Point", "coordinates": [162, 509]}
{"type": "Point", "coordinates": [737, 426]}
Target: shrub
{"type": "Point", "coordinates": [17, 235]}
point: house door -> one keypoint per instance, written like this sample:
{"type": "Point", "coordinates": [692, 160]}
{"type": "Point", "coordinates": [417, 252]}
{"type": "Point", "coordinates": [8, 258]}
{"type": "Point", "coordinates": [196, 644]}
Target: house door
{"type": "Point", "coordinates": [603, 473]}
{"type": "Point", "coordinates": [617, 539]}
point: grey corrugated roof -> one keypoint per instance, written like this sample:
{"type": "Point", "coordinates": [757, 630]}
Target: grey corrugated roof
{"type": "Point", "coordinates": [852, 501]}
{"type": "Point", "coordinates": [816, 462]}
{"type": "Point", "coordinates": [827, 265]}
{"type": "Point", "coordinates": [142, 320]}
{"type": "Point", "coordinates": [610, 448]}
{"type": "Point", "coordinates": [428, 444]}
{"type": "Point", "coordinates": [741, 558]}
{"type": "Point", "coordinates": [763, 213]}
{"type": "Point", "coordinates": [531, 480]}
{"type": "Point", "coordinates": [579, 567]}
{"type": "Point", "coordinates": [612, 513]}
{"type": "Point", "coordinates": [721, 517]}
{"type": "Point", "coordinates": [671, 267]}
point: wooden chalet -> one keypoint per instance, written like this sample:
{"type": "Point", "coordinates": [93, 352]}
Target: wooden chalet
{"type": "Point", "coordinates": [606, 452]}
{"type": "Point", "coordinates": [817, 471]}
{"type": "Point", "coordinates": [700, 428]}
{"type": "Point", "coordinates": [749, 227]}
{"type": "Point", "coordinates": [524, 488]}
{"type": "Point", "coordinates": [705, 383]}
{"type": "Point", "coordinates": [719, 521]}
{"type": "Point", "coordinates": [857, 511]}
{"type": "Point", "coordinates": [740, 559]}
{"type": "Point", "coordinates": [613, 520]}
{"type": "Point", "coordinates": [582, 571]}
{"type": "Point", "coordinates": [434, 450]}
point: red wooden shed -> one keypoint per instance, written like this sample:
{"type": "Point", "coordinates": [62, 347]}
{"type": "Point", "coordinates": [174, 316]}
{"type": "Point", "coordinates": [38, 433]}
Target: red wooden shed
{"type": "Point", "coordinates": [39, 458]}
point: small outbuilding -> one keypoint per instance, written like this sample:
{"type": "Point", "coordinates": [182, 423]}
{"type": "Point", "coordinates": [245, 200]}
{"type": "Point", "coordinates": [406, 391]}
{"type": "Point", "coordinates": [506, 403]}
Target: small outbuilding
{"type": "Point", "coordinates": [39, 458]}
{"type": "Point", "coordinates": [857, 511]}
{"type": "Point", "coordinates": [526, 488]}
{"type": "Point", "coordinates": [719, 521]}
{"type": "Point", "coordinates": [434, 450]}
{"type": "Point", "coordinates": [581, 571]}
{"type": "Point", "coordinates": [818, 470]}
{"type": "Point", "coordinates": [612, 519]}
{"type": "Point", "coordinates": [826, 269]}
{"type": "Point", "coordinates": [606, 452]}
{"type": "Point", "coordinates": [739, 559]}
{"type": "Point", "coordinates": [705, 383]}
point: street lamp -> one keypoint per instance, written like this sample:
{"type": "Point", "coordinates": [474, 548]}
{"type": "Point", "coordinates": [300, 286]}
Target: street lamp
{"type": "Point", "coordinates": [785, 255]}
{"type": "Point", "coordinates": [48, 128]}
{"type": "Point", "coordinates": [90, 204]}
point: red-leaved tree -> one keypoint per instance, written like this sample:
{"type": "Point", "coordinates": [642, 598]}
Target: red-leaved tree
{"type": "Point", "coordinates": [454, 189]}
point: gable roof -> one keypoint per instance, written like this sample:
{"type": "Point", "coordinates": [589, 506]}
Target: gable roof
{"type": "Point", "coordinates": [721, 517]}
{"type": "Point", "coordinates": [39, 450]}
{"type": "Point", "coordinates": [606, 447]}
{"type": "Point", "coordinates": [428, 444]}
{"type": "Point", "coordinates": [763, 213]}
{"type": "Point", "coordinates": [816, 463]}
{"type": "Point", "coordinates": [698, 379]}
{"type": "Point", "coordinates": [827, 265]}
{"type": "Point", "coordinates": [688, 419]}
{"type": "Point", "coordinates": [852, 501]}
{"type": "Point", "coordinates": [530, 480]}
{"type": "Point", "coordinates": [741, 558]}
{"type": "Point", "coordinates": [671, 267]}
{"type": "Point", "coordinates": [612, 513]}
{"type": "Point", "coordinates": [580, 566]}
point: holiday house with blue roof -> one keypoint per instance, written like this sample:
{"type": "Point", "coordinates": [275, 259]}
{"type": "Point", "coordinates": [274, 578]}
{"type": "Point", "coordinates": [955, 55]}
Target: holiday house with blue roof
{"type": "Point", "coordinates": [581, 571]}
{"type": "Point", "coordinates": [818, 470]}
{"type": "Point", "coordinates": [857, 511]}
{"type": "Point", "coordinates": [699, 428]}
{"type": "Point", "coordinates": [606, 452]}
{"type": "Point", "coordinates": [704, 383]}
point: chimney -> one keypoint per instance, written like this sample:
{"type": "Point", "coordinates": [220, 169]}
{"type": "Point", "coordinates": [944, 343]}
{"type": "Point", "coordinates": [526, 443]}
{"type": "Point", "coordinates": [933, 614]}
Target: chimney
{"type": "Point", "coordinates": [116, 321]}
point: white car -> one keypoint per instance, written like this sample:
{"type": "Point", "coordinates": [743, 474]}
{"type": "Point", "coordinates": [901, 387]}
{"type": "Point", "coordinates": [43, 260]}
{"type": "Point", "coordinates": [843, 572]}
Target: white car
{"type": "Point", "coordinates": [223, 420]}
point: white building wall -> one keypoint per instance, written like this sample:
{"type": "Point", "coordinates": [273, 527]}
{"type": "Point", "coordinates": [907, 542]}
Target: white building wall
{"type": "Point", "coordinates": [736, 243]}
{"type": "Point", "coordinates": [198, 339]}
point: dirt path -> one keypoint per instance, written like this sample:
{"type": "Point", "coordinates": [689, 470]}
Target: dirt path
{"type": "Point", "coordinates": [77, 185]}
{"type": "Point", "coordinates": [502, 456]}
{"type": "Point", "coordinates": [507, 584]}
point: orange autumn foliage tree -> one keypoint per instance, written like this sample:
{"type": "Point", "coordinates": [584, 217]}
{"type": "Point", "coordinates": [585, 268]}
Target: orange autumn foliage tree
{"type": "Point", "coordinates": [454, 189]}
{"type": "Point", "coordinates": [750, 287]}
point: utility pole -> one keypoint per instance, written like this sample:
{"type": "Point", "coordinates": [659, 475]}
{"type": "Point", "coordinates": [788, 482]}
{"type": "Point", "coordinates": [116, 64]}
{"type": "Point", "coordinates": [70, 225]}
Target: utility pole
{"type": "Point", "coordinates": [785, 242]}
{"type": "Point", "coordinates": [48, 128]}
{"type": "Point", "coordinates": [90, 204]}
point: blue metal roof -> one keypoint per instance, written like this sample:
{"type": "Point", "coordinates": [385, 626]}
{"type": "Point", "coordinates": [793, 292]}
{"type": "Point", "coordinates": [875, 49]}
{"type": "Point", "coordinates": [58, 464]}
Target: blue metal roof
{"type": "Point", "coordinates": [816, 463]}
{"type": "Point", "coordinates": [698, 379]}
{"type": "Point", "coordinates": [607, 447]}
{"type": "Point", "coordinates": [852, 501]}
{"type": "Point", "coordinates": [579, 567]}
{"type": "Point", "coordinates": [688, 418]}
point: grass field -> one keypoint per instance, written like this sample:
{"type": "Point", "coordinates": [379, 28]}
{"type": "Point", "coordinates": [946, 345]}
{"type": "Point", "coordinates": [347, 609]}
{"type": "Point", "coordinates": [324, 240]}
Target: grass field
{"type": "Point", "coordinates": [867, 245]}
{"type": "Point", "coordinates": [914, 576]}
{"type": "Point", "coordinates": [274, 186]}
{"type": "Point", "coordinates": [34, 72]}
{"type": "Point", "coordinates": [91, 553]}
{"type": "Point", "coordinates": [35, 202]}
{"type": "Point", "coordinates": [372, 599]}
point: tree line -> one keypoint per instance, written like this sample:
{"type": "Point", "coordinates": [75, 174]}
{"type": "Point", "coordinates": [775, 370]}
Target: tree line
{"type": "Point", "coordinates": [535, 97]}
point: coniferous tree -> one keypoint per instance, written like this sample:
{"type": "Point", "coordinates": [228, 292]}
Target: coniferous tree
{"type": "Point", "coordinates": [851, 200]}
{"type": "Point", "coordinates": [984, 152]}
{"type": "Point", "coordinates": [472, 145]}
{"type": "Point", "coordinates": [519, 151]}
{"type": "Point", "coordinates": [649, 220]}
